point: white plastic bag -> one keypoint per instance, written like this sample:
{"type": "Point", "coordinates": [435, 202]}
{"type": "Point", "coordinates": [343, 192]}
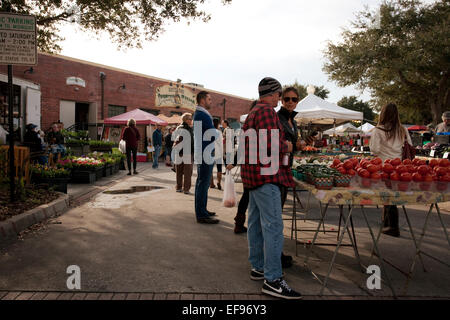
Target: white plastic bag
{"type": "Point", "coordinates": [229, 194]}
{"type": "Point", "coordinates": [122, 146]}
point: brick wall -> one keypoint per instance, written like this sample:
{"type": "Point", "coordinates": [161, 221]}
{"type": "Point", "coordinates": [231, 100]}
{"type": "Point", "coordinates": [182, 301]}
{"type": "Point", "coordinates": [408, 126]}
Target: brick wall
{"type": "Point", "coordinates": [52, 71]}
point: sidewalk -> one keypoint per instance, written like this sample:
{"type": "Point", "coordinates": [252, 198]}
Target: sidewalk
{"type": "Point", "coordinates": [148, 245]}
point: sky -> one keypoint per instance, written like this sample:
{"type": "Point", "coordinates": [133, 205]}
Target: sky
{"type": "Point", "coordinates": [243, 43]}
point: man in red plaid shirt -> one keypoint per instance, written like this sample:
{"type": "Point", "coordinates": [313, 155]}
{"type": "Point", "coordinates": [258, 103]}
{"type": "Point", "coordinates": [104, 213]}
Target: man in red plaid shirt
{"type": "Point", "coordinates": [263, 172]}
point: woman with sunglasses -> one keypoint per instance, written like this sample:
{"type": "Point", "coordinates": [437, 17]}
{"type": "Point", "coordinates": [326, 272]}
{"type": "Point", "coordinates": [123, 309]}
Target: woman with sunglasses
{"type": "Point", "coordinates": [289, 100]}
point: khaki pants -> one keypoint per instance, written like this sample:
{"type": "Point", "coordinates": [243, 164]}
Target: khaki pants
{"type": "Point", "coordinates": [186, 170]}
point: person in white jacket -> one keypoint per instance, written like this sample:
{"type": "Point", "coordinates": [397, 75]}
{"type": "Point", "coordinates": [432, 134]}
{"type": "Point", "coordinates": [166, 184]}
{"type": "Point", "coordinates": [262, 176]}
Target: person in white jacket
{"type": "Point", "coordinates": [387, 142]}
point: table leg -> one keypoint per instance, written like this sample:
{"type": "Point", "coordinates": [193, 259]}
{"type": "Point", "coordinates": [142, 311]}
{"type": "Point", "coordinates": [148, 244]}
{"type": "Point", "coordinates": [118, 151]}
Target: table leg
{"type": "Point", "coordinates": [378, 237]}
{"type": "Point", "coordinates": [378, 252]}
{"type": "Point", "coordinates": [321, 210]}
{"type": "Point", "coordinates": [316, 233]}
{"type": "Point", "coordinates": [442, 222]}
{"type": "Point", "coordinates": [336, 250]}
{"type": "Point", "coordinates": [413, 238]}
{"type": "Point", "coordinates": [353, 242]}
{"type": "Point", "coordinates": [341, 210]}
{"type": "Point", "coordinates": [411, 269]}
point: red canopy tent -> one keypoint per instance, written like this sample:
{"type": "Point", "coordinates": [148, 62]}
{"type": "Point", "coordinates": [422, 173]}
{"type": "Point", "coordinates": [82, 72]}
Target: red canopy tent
{"type": "Point", "coordinates": [417, 128]}
{"type": "Point", "coordinates": [140, 116]}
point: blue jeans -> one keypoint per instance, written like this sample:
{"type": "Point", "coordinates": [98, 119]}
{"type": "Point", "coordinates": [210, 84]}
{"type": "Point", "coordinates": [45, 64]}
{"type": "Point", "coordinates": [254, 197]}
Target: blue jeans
{"type": "Point", "coordinates": [204, 172]}
{"type": "Point", "coordinates": [265, 231]}
{"type": "Point", "coordinates": [156, 156]}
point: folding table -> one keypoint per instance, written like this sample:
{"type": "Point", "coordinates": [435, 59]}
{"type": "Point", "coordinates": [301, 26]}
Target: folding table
{"type": "Point", "coordinates": [378, 195]}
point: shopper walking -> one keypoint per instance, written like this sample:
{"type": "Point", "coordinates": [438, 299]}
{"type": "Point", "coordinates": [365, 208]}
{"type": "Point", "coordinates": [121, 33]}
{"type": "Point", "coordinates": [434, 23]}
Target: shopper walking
{"type": "Point", "coordinates": [265, 224]}
{"type": "Point", "coordinates": [131, 137]}
{"type": "Point", "coordinates": [386, 142]}
{"type": "Point", "coordinates": [157, 144]}
{"type": "Point", "coordinates": [184, 169]}
{"type": "Point", "coordinates": [203, 119]}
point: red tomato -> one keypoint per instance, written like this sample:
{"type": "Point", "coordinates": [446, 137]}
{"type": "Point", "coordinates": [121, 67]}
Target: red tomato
{"type": "Point", "coordinates": [411, 168]}
{"type": "Point", "coordinates": [387, 161]}
{"type": "Point", "coordinates": [401, 169]}
{"type": "Point", "coordinates": [372, 168]}
{"type": "Point", "coordinates": [405, 176]}
{"type": "Point", "coordinates": [348, 164]}
{"type": "Point", "coordinates": [364, 173]}
{"type": "Point", "coordinates": [428, 178]}
{"type": "Point", "coordinates": [388, 168]}
{"type": "Point", "coordinates": [434, 163]}
{"type": "Point", "coordinates": [365, 165]}
{"type": "Point", "coordinates": [435, 177]}
{"type": "Point", "coordinates": [444, 163]}
{"type": "Point", "coordinates": [421, 162]}
{"type": "Point", "coordinates": [403, 186]}
{"type": "Point", "coordinates": [385, 176]}
{"type": "Point", "coordinates": [376, 161]}
{"type": "Point", "coordinates": [441, 171]}
{"type": "Point", "coordinates": [396, 162]}
{"type": "Point", "coordinates": [351, 172]}
{"type": "Point", "coordinates": [406, 162]}
{"type": "Point", "coordinates": [423, 169]}
{"type": "Point", "coordinates": [336, 162]}
{"type": "Point", "coordinates": [343, 171]}
{"type": "Point", "coordinates": [415, 161]}
{"type": "Point", "coordinates": [446, 178]}
{"type": "Point", "coordinates": [417, 177]}
{"type": "Point", "coordinates": [355, 161]}
{"type": "Point", "coordinates": [375, 176]}
{"type": "Point", "coordinates": [394, 176]}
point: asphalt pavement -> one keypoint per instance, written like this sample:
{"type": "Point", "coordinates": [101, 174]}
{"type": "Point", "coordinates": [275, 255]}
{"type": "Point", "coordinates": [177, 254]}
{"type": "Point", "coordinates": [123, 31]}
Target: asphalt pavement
{"type": "Point", "coordinates": [149, 243]}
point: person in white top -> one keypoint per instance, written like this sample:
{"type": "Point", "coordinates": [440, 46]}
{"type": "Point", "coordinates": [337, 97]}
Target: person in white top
{"type": "Point", "coordinates": [387, 142]}
{"type": "Point", "coordinates": [218, 156]}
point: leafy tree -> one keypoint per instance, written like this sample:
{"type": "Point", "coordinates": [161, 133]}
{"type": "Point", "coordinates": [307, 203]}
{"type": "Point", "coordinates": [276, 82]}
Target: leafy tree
{"type": "Point", "coordinates": [353, 103]}
{"type": "Point", "coordinates": [128, 22]}
{"type": "Point", "coordinates": [402, 57]}
{"type": "Point", "coordinates": [321, 91]}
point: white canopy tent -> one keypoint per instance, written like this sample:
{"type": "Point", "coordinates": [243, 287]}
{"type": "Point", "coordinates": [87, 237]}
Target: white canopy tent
{"type": "Point", "coordinates": [367, 129]}
{"type": "Point", "coordinates": [343, 129]}
{"type": "Point", "coordinates": [315, 110]}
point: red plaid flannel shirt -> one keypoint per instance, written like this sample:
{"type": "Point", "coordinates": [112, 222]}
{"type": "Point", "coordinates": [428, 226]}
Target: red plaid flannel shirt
{"type": "Point", "coordinates": [263, 116]}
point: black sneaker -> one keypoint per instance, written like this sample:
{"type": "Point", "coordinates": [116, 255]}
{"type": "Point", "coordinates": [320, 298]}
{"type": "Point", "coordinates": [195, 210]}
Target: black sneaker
{"type": "Point", "coordinates": [256, 275]}
{"type": "Point", "coordinates": [279, 288]}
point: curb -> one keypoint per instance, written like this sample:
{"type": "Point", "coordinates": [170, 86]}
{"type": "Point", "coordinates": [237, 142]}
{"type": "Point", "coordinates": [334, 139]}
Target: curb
{"type": "Point", "coordinates": [16, 224]}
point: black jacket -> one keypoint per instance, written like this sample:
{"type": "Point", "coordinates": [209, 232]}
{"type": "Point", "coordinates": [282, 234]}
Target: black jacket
{"type": "Point", "coordinates": [32, 140]}
{"type": "Point", "coordinates": [289, 133]}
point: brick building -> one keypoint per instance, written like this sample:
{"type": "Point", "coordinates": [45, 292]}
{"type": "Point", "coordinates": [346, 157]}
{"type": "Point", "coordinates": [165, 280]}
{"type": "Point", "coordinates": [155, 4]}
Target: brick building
{"type": "Point", "coordinates": [81, 94]}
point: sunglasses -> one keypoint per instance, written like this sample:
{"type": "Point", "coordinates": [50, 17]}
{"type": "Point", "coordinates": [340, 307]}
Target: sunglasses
{"type": "Point", "coordinates": [287, 99]}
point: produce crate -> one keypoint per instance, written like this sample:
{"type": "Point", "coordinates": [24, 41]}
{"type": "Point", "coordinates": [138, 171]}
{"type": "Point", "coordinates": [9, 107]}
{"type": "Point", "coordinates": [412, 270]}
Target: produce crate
{"type": "Point", "coordinates": [324, 183]}
{"type": "Point", "coordinates": [342, 181]}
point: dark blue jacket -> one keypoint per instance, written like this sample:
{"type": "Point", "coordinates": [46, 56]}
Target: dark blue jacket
{"type": "Point", "coordinates": [157, 138]}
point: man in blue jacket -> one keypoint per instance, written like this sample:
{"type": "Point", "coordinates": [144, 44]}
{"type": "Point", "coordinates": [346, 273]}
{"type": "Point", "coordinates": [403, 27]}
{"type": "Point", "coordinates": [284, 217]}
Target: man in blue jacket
{"type": "Point", "coordinates": [157, 143]}
{"type": "Point", "coordinates": [203, 122]}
